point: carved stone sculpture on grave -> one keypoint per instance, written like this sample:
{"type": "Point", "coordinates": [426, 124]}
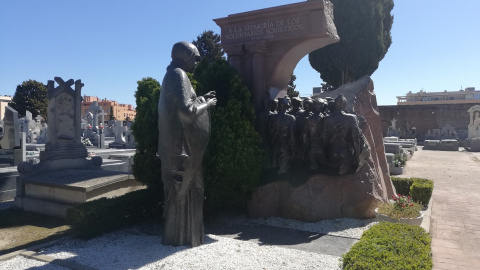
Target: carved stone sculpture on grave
{"type": "Point", "coordinates": [184, 132]}
{"type": "Point", "coordinates": [63, 148]}
{"type": "Point", "coordinates": [474, 126]}
{"type": "Point", "coordinates": [282, 136]}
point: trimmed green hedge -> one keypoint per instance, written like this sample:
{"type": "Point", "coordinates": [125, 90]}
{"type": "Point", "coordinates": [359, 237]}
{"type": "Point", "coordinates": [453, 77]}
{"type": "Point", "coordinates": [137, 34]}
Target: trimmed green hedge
{"type": "Point", "coordinates": [95, 217]}
{"type": "Point", "coordinates": [390, 246]}
{"type": "Point", "coordinates": [419, 189]}
{"type": "Point", "coordinates": [402, 185]}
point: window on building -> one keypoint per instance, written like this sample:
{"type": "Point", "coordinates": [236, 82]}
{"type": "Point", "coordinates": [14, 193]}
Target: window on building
{"type": "Point", "coordinates": [452, 98]}
{"type": "Point", "coordinates": [426, 98]}
{"type": "Point", "coordinates": [476, 96]}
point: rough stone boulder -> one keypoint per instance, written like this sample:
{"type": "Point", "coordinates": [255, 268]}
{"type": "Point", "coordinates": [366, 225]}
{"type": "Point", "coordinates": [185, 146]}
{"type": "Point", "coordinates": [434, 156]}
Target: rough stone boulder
{"type": "Point", "coordinates": [321, 196]}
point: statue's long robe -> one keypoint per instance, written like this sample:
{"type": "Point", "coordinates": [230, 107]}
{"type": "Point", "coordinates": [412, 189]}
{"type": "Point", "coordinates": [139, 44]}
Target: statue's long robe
{"type": "Point", "coordinates": [184, 131]}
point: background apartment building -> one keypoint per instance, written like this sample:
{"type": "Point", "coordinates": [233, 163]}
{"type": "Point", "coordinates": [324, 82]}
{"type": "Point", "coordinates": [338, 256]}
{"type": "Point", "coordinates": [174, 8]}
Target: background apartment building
{"type": "Point", "coordinates": [113, 110]}
{"type": "Point", "coordinates": [426, 111]}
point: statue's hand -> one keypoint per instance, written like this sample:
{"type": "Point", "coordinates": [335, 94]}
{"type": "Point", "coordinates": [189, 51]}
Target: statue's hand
{"type": "Point", "coordinates": [212, 102]}
{"type": "Point", "coordinates": [209, 95]}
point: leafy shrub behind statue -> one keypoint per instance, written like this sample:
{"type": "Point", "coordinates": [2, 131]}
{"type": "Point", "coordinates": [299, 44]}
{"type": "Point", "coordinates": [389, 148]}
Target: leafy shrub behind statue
{"type": "Point", "coordinates": [233, 161]}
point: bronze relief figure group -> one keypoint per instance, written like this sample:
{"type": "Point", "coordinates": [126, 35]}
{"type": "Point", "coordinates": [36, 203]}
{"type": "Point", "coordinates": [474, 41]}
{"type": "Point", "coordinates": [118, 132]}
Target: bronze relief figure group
{"type": "Point", "coordinates": [314, 131]}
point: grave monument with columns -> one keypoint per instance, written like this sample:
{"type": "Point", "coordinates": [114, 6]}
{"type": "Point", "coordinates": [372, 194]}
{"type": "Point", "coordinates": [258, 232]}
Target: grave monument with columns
{"type": "Point", "coordinates": [265, 45]}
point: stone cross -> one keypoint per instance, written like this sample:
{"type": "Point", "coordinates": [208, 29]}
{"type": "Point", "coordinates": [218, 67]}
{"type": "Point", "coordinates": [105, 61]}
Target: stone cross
{"type": "Point", "coordinates": [95, 109]}
{"type": "Point", "coordinates": [29, 118]}
{"type": "Point", "coordinates": [102, 115]}
{"type": "Point", "coordinates": [119, 129]}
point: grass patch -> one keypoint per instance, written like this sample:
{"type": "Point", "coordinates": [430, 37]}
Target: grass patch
{"type": "Point", "coordinates": [20, 229]}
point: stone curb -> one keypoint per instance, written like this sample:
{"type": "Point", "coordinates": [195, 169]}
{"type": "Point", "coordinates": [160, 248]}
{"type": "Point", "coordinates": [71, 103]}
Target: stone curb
{"type": "Point", "coordinates": [427, 215]}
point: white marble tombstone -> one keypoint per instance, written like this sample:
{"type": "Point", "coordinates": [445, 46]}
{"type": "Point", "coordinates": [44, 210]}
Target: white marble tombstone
{"type": "Point", "coordinates": [11, 129]}
{"type": "Point", "coordinates": [474, 126]}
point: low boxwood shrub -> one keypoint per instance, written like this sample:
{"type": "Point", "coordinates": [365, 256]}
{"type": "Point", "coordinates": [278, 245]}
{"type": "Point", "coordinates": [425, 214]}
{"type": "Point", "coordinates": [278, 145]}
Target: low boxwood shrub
{"type": "Point", "coordinates": [421, 190]}
{"type": "Point", "coordinates": [390, 246]}
{"type": "Point", "coordinates": [95, 217]}
{"type": "Point", "coordinates": [402, 185]}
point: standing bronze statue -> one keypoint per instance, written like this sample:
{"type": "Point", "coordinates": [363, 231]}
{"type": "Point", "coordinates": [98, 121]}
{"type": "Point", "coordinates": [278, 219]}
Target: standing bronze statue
{"type": "Point", "coordinates": [184, 131]}
{"type": "Point", "coordinates": [342, 139]}
{"type": "Point", "coordinates": [261, 125]}
{"type": "Point", "coordinates": [314, 152]}
{"type": "Point", "coordinates": [281, 136]}
{"type": "Point", "coordinates": [301, 128]}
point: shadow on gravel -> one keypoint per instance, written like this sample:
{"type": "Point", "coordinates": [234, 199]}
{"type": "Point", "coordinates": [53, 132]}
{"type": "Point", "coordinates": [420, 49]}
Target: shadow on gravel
{"type": "Point", "coordinates": [288, 238]}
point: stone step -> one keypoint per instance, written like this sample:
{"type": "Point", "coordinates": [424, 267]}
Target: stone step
{"type": "Point", "coordinates": [53, 193]}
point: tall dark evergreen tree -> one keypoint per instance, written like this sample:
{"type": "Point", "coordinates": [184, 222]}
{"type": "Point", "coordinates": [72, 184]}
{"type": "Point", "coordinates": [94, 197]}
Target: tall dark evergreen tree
{"type": "Point", "coordinates": [31, 95]}
{"type": "Point", "coordinates": [208, 45]}
{"type": "Point", "coordinates": [291, 87]}
{"type": "Point", "coordinates": [234, 159]}
{"type": "Point", "coordinates": [146, 165]}
{"type": "Point", "coordinates": [364, 31]}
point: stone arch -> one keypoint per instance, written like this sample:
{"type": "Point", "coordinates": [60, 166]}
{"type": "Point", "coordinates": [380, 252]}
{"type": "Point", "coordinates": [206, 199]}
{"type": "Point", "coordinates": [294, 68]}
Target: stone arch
{"type": "Point", "coordinates": [265, 45]}
{"type": "Point", "coordinates": [287, 63]}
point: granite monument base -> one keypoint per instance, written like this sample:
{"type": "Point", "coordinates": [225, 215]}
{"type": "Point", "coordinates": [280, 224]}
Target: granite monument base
{"type": "Point", "coordinates": [320, 197]}
{"type": "Point", "coordinates": [53, 193]}
{"type": "Point", "coordinates": [472, 145]}
{"type": "Point", "coordinates": [8, 177]}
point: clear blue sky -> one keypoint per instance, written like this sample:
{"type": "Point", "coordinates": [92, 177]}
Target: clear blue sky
{"type": "Point", "coordinates": [111, 45]}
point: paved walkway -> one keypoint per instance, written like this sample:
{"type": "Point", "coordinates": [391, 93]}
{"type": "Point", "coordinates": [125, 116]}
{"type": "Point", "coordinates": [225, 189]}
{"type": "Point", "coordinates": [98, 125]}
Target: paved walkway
{"type": "Point", "coordinates": [455, 222]}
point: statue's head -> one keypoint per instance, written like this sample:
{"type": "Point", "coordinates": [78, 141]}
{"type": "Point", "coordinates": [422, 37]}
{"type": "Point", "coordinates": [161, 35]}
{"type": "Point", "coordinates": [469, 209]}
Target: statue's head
{"type": "Point", "coordinates": [296, 102]}
{"type": "Point", "coordinates": [318, 105]}
{"type": "Point", "coordinates": [283, 104]}
{"type": "Point", "coordinates": [340, 103]}
{"type": "Point", "coordinates": [187, 54]}
{"type": "Point", "coordinates": [274, 105]}
{"type": "Point", "coordinates": [308, 104]}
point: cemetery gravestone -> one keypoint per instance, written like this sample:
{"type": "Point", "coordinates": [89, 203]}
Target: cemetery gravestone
{"type": "Point", "coordinates": [63, 148]}
{"type": "Point", "coordinates": [11, 138]}
{"type": "Point", "coordinates": [96, 111]}
{"type": "Point", "coordinates": [119, 130]}
{"type": "Point", "coordinates": [472, 143]}
{"type": "Point", "coordinates": [65, 176]}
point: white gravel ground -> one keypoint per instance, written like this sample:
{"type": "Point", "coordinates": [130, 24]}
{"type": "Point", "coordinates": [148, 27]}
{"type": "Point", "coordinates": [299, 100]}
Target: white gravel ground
{"type": "Point", "coordinates": [20, 262]}
{"type": "Point", "coordinates": [124, 250]}
{"type": "Point", "coordinates": [133, 249]}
